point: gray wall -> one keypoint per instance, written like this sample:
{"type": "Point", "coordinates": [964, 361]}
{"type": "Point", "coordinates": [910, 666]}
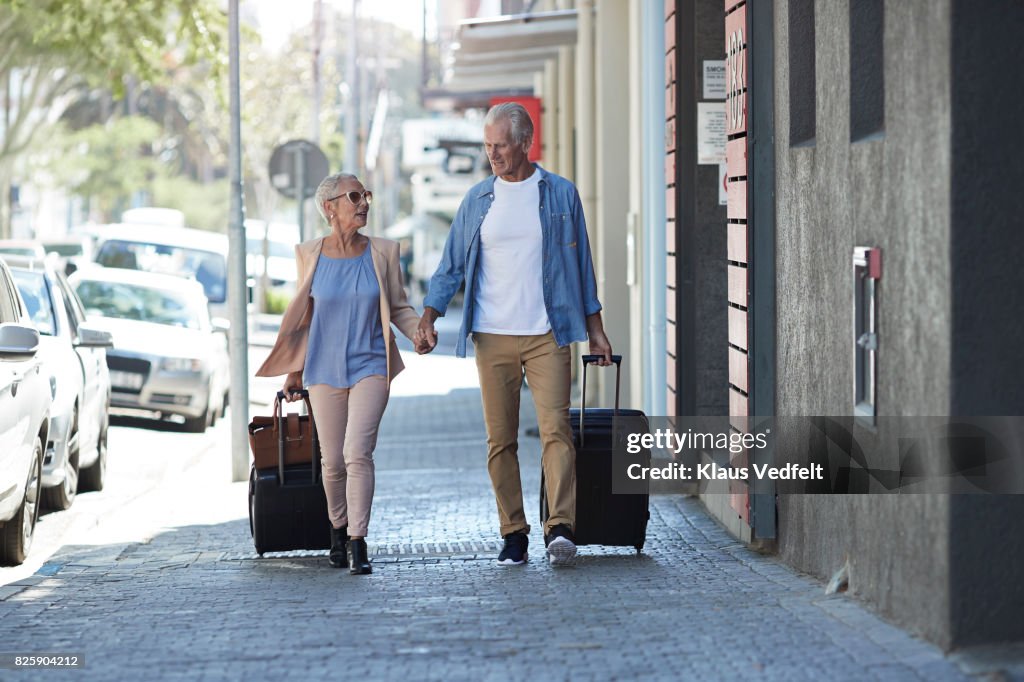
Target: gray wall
{"type": "Point", "coordinates": [892, 193]}
{"type": "Point", "coordinates": [986, 249]}
{"type": "Point", "coordinates": [711, 284]}
{"type": "Point", "coordinates": [701, 280]}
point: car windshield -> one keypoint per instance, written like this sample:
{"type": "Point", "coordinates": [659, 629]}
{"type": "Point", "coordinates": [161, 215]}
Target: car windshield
{"type": "Point", "coordinates": [65, 250]}
{"type": "Point", "coordinates": [135, 302]}
{"type": "Point", "coordinates": [19, 250]}
{"type": "Point", "coordinates": [32, 287]}
{"type": "Point", "coordinates": [208, 268]}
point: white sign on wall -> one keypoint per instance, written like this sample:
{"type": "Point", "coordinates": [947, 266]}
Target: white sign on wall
{"type": "Point", "coordinates": [710, 132]}
{"type": "Point", "coordinates": [714, 79]}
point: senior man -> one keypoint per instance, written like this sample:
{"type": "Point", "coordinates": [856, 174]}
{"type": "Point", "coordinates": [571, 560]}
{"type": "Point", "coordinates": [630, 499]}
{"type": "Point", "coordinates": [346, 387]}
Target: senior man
{"type": "Point", "coordinates": [519, 241]}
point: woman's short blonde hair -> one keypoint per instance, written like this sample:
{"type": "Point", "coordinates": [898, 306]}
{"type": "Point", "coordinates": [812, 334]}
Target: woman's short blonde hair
{"type": "Point", "coordinates": [328, 189]}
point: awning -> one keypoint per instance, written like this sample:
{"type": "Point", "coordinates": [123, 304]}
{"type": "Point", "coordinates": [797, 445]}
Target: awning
{"type": "Point", "coordinates": [499, 56]}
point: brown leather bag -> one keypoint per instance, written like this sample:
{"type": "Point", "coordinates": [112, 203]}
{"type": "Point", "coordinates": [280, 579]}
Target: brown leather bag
{"type": "Point", "coordinates": [281, 440]}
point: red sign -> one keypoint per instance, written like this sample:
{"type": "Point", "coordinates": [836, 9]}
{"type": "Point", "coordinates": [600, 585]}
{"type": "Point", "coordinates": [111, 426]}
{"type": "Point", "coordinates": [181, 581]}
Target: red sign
{"type": "Point", "coordinates": [533, 108]}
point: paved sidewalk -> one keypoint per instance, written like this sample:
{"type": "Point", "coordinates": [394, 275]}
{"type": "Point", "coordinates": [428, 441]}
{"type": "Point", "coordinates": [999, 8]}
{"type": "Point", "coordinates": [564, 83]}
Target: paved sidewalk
{"type": "Point", "coordinates": [196, 603]}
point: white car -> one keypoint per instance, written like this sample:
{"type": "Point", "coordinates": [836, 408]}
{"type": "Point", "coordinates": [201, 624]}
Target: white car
{"type": "Point", "coordinates": [25, 396]}
{"type": "Point", "coordinates": [168, 357]}
{"type": "Point", "coordinates": [281, 239]}
{"type": "Point", "coordinates": [182, 251]}
{"type": "Point", "coordinates": [73, 354]}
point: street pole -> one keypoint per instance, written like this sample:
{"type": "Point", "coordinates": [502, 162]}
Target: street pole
{"type": "Point", "coordinates": [317, 87]}
{"type": "Point", "coordinates": [300, 189]}
{"type": "Point", "coordinates": [239, 334]}
{"type": "Point", "coordinates": [352, 105]}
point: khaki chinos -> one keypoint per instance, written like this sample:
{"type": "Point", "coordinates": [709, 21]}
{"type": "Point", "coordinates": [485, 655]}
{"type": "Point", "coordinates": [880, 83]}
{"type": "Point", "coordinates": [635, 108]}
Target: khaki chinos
{"type": "Point", "coordinates": [500, 361]}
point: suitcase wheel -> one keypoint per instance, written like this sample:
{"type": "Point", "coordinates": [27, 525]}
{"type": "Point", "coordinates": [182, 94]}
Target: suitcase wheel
{"type": "Point", "coordinates": [639, 549]}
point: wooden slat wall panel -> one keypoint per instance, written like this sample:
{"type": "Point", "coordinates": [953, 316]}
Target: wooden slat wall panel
{"type": "Point", "coordinates": [671, 182]}
{"type": "Point", "coordinates": [738, 285]}
{"type": "Point", "coordinates": [736, 157]}
{"type": "Point", "coordinates": [738, 328]}
{"type": "Point", "coordinates": [738, 369]}
{"type": "Point", "coordinates": [737, 243]}
{"type": "Point", "coordinates": [737, 73]}
{"type": "Point", "coordinates": [736, 21]}
{"type": "Point", "coordinates": [737, 209]}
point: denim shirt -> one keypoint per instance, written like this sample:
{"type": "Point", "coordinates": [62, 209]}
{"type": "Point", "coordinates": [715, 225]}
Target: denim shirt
{"type": "Point", "coordinates": [570, 288]}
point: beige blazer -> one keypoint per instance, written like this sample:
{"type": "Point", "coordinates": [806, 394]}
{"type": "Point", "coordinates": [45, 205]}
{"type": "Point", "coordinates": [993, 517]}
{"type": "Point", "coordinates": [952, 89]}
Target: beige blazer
{"type": "Point", "coordinates": [289, 351]}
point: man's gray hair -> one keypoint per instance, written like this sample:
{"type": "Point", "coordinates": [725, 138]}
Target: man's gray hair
{"type": "Point", "coordinates": [328, 189]}
{"type": "Point", "coordinates": [517, 116]}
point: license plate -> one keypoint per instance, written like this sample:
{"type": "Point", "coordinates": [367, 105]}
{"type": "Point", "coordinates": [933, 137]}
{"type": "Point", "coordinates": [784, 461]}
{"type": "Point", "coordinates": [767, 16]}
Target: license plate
{"type": "Point", "coordinates": [129, 380]}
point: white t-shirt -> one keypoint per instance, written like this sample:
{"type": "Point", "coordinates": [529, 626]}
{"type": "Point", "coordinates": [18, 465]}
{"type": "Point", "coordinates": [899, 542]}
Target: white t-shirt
{"type": "Point", "coordinates": [509, 288]}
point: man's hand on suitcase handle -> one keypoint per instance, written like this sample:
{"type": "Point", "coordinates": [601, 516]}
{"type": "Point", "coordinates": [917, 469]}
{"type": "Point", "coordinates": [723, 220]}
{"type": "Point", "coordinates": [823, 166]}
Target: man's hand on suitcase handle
{"type": "Point", "coordinates": [599, 343]}
{"type": "Point", "coordinates": [597, 359]}
{"type": "Point", "coordinates": [292, 387]}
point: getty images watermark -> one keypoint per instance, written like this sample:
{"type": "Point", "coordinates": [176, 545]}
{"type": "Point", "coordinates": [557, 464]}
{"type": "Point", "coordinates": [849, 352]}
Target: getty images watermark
{"type": "Point", "coordinates": [667, 440]}
{"type": "Point", "coordinates": [819, 455]}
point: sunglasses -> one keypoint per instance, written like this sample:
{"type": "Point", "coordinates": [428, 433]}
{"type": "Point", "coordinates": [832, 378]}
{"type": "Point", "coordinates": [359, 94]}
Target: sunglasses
{"type": "Point", "coordinates": [355, 196]}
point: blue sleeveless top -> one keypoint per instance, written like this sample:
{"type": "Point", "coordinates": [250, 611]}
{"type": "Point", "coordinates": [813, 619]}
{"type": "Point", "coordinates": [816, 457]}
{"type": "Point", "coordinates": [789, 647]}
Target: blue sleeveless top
{"type": "Point", "coordinates": [346, 340]}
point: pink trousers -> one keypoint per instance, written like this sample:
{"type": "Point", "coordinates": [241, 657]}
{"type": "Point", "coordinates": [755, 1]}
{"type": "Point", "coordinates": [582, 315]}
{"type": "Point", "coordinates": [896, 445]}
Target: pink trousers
{"type": "Point", "coordinates": [347, 420]}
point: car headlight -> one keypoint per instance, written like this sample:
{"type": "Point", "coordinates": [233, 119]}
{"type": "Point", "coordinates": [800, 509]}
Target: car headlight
{"type": "Point", "coordinates": [181, 365]}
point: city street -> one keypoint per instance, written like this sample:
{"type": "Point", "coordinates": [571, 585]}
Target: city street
{"type": "Point", "coordinates": [156, 577]}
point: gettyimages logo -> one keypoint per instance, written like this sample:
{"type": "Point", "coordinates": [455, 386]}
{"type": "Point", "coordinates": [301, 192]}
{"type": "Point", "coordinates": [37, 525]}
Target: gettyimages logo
{"type": "Point", "coordinates": [823, 455]}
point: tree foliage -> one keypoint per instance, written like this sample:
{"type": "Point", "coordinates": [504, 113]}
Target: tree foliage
{"type": "Point", "coordinates": [106, 40]}
{"type": "Point", "coordinates": [51, 48]}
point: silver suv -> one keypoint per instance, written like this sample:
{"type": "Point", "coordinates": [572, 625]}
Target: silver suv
{"type": "Point", "coordinates": [25, 397]}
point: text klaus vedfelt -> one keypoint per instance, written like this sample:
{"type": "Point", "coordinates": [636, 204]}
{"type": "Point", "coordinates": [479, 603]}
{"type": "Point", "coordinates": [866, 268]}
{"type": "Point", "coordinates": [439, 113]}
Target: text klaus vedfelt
{"type": "Point", "coordinates": [665, 439]}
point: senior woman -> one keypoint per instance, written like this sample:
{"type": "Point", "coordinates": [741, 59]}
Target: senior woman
{"type": "Point", "coordinates": [336, 340]}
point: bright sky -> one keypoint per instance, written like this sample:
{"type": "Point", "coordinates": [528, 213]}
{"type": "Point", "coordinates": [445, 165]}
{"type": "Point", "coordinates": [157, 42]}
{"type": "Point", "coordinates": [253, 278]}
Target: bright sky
{"type": "Point", "coordinates": [279, 18]}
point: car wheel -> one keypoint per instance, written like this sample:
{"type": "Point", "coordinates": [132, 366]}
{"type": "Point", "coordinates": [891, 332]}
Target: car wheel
{"type": "Point", "coordinates": [198, 424]}
{"type": "Point", "coordinates": [16, 534]}
{"type": "Point", "coordinates": [94, 477]}
{"type": "Point", "coordinates": [61, 496]}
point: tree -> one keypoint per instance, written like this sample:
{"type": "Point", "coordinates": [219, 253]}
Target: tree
{"type": "Point", "coordinates": [50, 48]}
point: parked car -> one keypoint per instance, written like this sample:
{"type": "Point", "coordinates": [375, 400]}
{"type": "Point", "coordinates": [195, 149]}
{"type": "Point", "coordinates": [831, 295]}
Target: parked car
{"type": "Point", "coordinates": [281, 239]}
{"type": "Point", "coordinates": [168, 357]}
{"type": "Point", "coordinates": [74, 251]}
{"type": "Point", "coordinates": [197, 254]}
{"type": "Point", "coordinates": [73, 353]}
{"type": "Point", "coordinates": [22, 247]}
{"type": "Point", "coordinates": [25, 396]}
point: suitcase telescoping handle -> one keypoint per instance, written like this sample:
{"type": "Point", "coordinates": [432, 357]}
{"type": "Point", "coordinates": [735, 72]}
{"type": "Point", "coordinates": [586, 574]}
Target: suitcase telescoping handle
{"type": "Point", "coordinates": [589, 360]}
{"type": "Point", "coordinates": [280, 423]}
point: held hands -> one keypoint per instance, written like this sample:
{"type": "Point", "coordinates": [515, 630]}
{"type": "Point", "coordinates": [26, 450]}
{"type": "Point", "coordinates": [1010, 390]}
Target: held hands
{"type": "Point", "coordinates": [425, 337]}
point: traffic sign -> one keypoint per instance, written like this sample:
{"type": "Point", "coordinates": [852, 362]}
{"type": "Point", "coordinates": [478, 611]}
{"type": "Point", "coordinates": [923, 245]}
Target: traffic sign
{"type": "Point", "coordinates": [297, 162]}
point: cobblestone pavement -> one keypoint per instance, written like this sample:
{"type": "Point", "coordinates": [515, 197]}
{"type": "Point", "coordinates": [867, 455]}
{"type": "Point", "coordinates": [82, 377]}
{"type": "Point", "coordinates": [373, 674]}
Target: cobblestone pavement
{"type": "Point", "coordinates": [195, 602]}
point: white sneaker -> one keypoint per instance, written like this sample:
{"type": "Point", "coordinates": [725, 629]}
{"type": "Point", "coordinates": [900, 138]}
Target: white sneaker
{"type": "Point", "coordinates": [561, 549]}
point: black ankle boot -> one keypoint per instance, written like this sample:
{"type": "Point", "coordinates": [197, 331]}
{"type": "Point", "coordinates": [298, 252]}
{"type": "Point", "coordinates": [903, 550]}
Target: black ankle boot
{"type": "Point", "coordinates": [358, 559]}
{"type": "Point", "coordinates": [339, 547]}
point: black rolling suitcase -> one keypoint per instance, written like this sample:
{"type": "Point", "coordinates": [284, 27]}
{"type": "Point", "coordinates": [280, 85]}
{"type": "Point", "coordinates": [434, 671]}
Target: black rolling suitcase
{"type": "Point", "coordinates": [604, 518]}
{"type": "Point", "coordinates": [287, 504]}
